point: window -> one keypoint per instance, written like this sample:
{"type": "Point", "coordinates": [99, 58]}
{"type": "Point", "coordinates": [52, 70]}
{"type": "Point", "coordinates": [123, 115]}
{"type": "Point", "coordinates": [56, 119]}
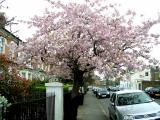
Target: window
{"type": "Point", "coordinates": [23, 74]}
{"type": "Point", "coordinates": [133, 98]}
{"type": "Point", "coordinates": [29, 76]}
{"type": "Point", "coordinates": [146, 73]}
{"type": "Point", "coordinates": [2, 44]}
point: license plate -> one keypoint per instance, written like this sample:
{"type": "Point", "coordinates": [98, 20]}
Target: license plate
{"type": "Point", "coordinates": [157, 94]}
{"type": "Point", "coordinates": [103, 95]}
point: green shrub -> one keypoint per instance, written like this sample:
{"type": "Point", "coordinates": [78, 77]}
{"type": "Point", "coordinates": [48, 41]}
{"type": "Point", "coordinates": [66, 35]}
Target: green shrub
{"type": "Point", "coordinates": [37, 85]}
{"type": "Point", "coordinates": [66, 87]}
{"type": "Point", "coordinates": [40, 88]}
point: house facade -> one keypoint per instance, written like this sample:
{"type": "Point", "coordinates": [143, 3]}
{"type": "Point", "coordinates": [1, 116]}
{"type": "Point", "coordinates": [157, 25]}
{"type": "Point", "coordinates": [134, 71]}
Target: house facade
{"type": "Point", "coordinates": [32, 71]}
{"type": "Point", "coordinates": [133, 80]}
{"type": "Point", "coordinates": [6, 38]}
{"type": "Point", "coordinates": [36, 74]}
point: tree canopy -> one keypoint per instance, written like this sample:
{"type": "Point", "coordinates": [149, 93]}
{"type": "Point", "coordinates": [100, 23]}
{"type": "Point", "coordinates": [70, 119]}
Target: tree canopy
{"type": "Point", "coordinates": [78, 37]}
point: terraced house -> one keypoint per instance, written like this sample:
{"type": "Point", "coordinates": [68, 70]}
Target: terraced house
{"type": "Point", "coordinates": [29, 72]}
{"type": "Point", "coordinates": [149, 77]}
{"type": "Point", "coordinates": [6, 38]}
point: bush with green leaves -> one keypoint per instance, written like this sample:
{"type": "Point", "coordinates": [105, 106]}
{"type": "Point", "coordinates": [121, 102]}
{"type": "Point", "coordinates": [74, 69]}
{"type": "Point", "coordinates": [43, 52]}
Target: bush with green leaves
{"type": "Point", "coordinates": [37, 85]}
{"type": "Point", "coordinates": [67, 87]}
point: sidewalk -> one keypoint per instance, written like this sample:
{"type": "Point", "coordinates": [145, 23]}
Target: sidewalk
{"type": "Point", "coordinates": [91, 109]}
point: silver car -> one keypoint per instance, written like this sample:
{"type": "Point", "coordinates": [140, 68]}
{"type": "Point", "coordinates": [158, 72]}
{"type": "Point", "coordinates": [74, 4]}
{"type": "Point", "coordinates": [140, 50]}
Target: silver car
{"type": "Point", "coordinates": [133, 105]}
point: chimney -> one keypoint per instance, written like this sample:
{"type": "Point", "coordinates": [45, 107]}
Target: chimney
{"type": "Point", "coordinates": [2, 20]}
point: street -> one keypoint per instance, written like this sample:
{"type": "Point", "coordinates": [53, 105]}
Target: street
{"type": "Point", "coordinates": [95, 109]}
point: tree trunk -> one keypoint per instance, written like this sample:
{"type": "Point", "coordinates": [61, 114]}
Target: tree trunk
{"type": "Point", "coordinates": [78, 80]}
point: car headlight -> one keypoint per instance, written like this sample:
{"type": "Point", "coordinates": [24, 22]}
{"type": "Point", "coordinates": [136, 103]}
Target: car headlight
{"type": "Point", "coordinates": [158, 113]}
{"type": "Point", "coordinates": [128, 117]}
{"type": "Point", "coordinates": [99, 93]}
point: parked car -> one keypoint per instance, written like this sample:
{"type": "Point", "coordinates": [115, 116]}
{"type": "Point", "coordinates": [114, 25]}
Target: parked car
{"type": "Point", "coordinates": [113, 89]}
{"type": "Point", "coordinates": [153, 91]}
{"type": "Point", "coordinates": [89, 87]}
{"type": "Point", "coordinates": [95, 90]}
{"type": "Point", "coordinates": [133, 105]}
{"type": "Point", "coordinates": [102, 93]}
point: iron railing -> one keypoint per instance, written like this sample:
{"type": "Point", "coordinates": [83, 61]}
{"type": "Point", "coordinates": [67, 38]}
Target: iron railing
{"type": "Point", "coordinates": [29, 109]}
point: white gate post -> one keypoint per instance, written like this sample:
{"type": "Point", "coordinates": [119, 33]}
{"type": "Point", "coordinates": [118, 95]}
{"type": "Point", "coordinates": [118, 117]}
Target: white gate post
{"type": "Point", "coordinates": [57, 89]}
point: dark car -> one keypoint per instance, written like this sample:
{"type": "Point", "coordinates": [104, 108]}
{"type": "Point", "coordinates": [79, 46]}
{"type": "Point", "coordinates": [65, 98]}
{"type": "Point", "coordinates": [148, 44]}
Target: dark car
{"type": "Point", "coordinates": [95, 90]}
{"type": "Point", "coordinates": [102, 93]}
{"type": "Point", "coordinates": [153, 92]}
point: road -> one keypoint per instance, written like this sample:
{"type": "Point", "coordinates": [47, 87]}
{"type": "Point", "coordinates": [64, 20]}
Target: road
{"type": "Point", "coordinates": [95, 109]}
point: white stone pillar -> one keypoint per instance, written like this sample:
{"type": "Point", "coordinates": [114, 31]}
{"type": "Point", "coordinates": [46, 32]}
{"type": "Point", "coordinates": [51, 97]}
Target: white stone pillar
{"type": "Point", "coordinates": [57, 89]}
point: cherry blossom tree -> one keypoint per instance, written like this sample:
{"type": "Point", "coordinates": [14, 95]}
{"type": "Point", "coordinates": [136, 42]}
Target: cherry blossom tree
{"type": "Point", "coordinates": [5, 21]}
{"type": "Point", "coordinates": [1, 2]}
{"type": "Point", "coordinates": [76, 38]}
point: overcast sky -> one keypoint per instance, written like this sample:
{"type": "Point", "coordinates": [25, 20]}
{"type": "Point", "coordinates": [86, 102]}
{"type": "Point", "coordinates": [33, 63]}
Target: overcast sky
{"type": "Point", "coordinates": [25, 9]}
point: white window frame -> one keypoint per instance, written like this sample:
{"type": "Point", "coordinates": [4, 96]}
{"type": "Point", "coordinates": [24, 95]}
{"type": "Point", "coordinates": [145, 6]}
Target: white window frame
{"type": "Point", "coordinates": [23, 74]}
{"type": "Point", "coordinates": [2, 45]}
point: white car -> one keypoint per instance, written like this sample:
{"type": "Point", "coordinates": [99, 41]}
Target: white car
{"type": "Point", "coordinates": [133, 105]}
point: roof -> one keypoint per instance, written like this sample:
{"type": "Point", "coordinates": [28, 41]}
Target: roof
{"type": "Point", "coordinates": [128, 91]}
{"type": "Point", "coordinates": [9, 34]}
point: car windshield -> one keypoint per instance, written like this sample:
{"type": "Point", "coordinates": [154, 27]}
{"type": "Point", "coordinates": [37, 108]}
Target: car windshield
{"type": "Point", "coordinates": [132, 98]}
{"type": "Point", "coordinates": [103, 90]}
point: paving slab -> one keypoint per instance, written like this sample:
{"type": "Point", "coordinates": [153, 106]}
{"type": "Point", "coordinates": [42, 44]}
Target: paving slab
{"type": "Point", "coordinates": [91, 109]}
